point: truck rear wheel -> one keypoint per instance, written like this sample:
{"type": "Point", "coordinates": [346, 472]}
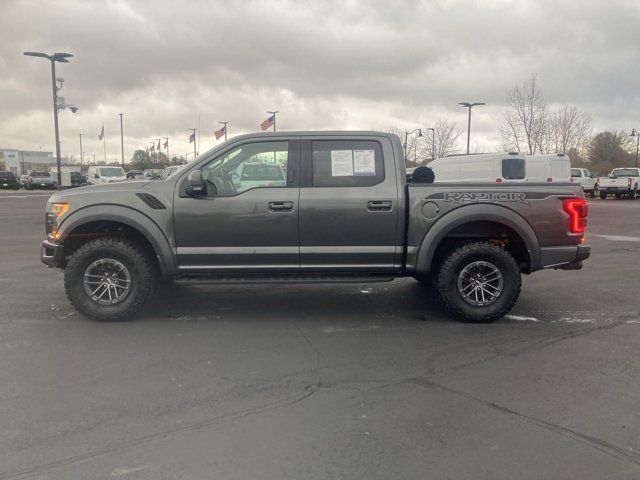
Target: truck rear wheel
{"type": "Point", "coordinates": [479, 282]}
{"type": "Point", "coordinates": [109, 279]}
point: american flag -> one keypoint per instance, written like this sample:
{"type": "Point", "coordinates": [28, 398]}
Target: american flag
{"type": "Point", "coordinates": [192, 137]}
{"type": "Point", "coordinates": [101, 136]}
{"type": "Point", "coordinates": [268, 123]}
{"type": "Point", "coordinates": [220, 133]}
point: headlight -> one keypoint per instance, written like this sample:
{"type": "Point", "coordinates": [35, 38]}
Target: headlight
{"type": "Point", "coordinates": [51, 219]}
{"type": "Point", "coordinates": [59, 209]}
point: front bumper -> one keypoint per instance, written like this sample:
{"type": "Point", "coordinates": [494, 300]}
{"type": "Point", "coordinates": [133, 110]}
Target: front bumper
{"type": "Point", "coordinates": [566, 258]}
{"type": "Point", "coordinates": [52, 254]}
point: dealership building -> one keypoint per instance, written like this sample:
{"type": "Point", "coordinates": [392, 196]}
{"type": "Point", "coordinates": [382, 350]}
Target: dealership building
{"type": "Point", "coordinates": [21, 161]}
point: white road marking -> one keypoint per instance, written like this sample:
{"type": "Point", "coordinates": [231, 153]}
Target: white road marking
{"type": "Point", "coordinates": [616, 238]}
{"type": "Point", "coordinates": [119, 472]}
{"type": "Point", "coordinates": [521, 318]}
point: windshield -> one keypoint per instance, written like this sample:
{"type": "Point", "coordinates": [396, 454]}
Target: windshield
{"type": "Point", "coordinates": [39, 174]}
{"type": "Point", "coordinates": [624, 172]}
{"type": "Point", "coordinates": [112, 172]}
{"type": "Point", "coordinates": [262, 171]}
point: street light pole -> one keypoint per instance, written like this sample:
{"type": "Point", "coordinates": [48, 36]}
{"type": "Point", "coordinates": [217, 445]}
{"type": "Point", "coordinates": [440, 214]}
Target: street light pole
{"type": "Point", "coordinates": [469, 106]}
{"type": "Point", "coordinates": [81, 157]}
{"type": "Point", "coordinates": [406, 136]}
{"type": "Point", "coordinates": [433, 142]}
{"type": "Point", "coordinates": [56, 57]}
{"type": "Point", "coordinates": [634, 133]}
{"type": "Point", "coordinates": [121, 139]}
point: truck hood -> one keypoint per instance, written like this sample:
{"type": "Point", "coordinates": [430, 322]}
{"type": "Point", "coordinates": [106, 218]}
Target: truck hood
{"type": "Point", "coordinates": [99, 190]}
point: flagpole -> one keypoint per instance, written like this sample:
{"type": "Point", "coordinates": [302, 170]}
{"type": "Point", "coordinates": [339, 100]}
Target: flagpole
{"type": "Point", "coordinates": [195, 155]}
{"type": "Point", "coordinates": [225, 130]}
{"type": "Point", "coordinates": [104, 145]}
{"type": "Point", "coordinates": [198, 138]}
{"type": "Point", "coordinates": [274, 119]}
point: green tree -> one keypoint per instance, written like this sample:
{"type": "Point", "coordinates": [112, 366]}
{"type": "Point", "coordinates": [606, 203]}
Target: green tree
{"type": "Point", "coordinates": [608, 150]}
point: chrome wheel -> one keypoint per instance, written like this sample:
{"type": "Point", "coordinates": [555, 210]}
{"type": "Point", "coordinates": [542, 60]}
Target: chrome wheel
{"type": "Point", "coordinates": [480, 283]}
{"type": "Point", "coordinates": [107, 281]}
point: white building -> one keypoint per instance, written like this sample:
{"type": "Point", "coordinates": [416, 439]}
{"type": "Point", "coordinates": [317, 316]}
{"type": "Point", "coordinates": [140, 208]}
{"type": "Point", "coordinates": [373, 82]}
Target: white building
{"type": "Point", "coordinates": [19, 161]}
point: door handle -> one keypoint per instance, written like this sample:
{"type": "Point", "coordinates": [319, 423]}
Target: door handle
{"type": "Point", "coordinates": [379, 205]}
{"type": "Point", "coordinates": [280, 206]}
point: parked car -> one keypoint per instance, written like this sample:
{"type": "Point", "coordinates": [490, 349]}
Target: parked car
{"type": "Point", "coordinates": [251, 175]}
{"type": "Point", "coordinates": [548, 168]}
{"type": "Point", "coordinates": [620, 182]}
{"type": "Point", "coordinates": [484, 167]}
{"type": "Point", "coordinates": [153, 173]}
{"type": "Point", "coordinates": [9, 180]}
{"type": "Point", "coordinates": [134, 173]}
{"type": "Point", "coordinates": [170, 171]}
{"type": "Point", "coordinates": [77, 179]}
{"type": "Point", "coordinates": [99, 175]}
{"type": "Point", "coordinates": [23, 179]}
{"type": "Point", "coordinates": [40, 180]}
{"type": "Point", "coordinates": [585, 179]}
{"type": "Point", "coordinates": [344, 214]}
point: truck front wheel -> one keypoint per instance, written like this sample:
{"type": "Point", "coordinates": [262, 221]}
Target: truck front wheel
{"type": "Point", "coordinates": [109, 278]}
{"type": "Point", "coordinates": [479, 282]}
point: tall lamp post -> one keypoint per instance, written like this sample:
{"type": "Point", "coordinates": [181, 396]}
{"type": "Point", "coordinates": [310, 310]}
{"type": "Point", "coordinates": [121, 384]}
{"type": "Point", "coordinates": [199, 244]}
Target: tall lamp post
{"type": "Point", "coordinates": [81, 156]}
{"type": "Point", "coordinates": [53, 58]}
{"type": "Point", "coordinates": [406, 136]}
{"type": "Point", "coordinates": [634, 133]}
{"type": "Point", "coordinates": [121, 139]}
{"type": "Point", "coordinates": [469, 106]}
{"type": "Point", "coordinates": [433, 142]}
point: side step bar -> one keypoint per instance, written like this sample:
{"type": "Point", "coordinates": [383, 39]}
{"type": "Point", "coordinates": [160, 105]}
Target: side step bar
{"type": "Point", "coordinates": [199, 279]}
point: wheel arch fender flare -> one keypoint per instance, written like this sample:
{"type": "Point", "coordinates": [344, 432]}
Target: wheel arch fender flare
{"type": "Point", "coordinates": [130, 217]}
{"type": "Point", "coordinates": [474, 213]}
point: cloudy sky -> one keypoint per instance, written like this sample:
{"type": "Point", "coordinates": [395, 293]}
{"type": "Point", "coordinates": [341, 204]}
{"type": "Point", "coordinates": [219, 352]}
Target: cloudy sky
{"type": "Point", "coordinates": [323, 64]}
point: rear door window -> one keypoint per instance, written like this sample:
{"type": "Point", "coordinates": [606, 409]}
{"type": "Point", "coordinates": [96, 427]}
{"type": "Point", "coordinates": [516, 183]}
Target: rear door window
{"type": "Point", "coordinates": [575, 173]}
{"type": "Point", "coordinates": [513, 169]}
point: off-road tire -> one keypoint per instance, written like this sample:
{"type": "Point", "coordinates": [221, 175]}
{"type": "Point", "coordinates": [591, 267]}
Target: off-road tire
{"type": "Point", "coordinates": [143, 271]}
{"type": "Point", "coordinates": [447, 276]}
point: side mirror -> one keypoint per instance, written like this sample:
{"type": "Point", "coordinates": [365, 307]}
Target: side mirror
{"type": "Point", "coordinates": [195, 184]}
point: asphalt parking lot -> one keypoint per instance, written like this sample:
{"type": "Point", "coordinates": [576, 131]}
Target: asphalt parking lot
{"type": "Point", "coordinates": [322, 382]}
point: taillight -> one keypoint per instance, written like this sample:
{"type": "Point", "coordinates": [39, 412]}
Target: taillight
{"type": "Point", "coordinates": [578, 212]}
{"type": "Point", "coordinates": [498, 180]}
{"type": "Point", "coordinates": [629, 182]}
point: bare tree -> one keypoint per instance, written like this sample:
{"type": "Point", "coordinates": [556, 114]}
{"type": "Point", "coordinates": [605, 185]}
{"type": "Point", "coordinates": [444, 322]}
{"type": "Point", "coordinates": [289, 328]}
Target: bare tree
{"type": "Point", "coordinates": [569, 129]}
{"type": "Point", "coordinates": [526, 121]}
{"type": "Point", "coordinates": [446, 135]}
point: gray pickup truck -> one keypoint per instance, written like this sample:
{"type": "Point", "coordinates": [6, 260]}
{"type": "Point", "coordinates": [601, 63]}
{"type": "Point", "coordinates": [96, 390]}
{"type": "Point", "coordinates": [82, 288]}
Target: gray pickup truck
{"type": "Point", "coordinates": [343, 212]}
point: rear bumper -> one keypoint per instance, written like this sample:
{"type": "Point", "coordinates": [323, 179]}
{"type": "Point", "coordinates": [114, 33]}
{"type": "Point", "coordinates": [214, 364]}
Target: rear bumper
{"type": "Point", "coordinates": [52, 254]}
{"type": "Point", "coordinates": [566, 258]}
{"type": "Point", "coordinates": [624, 189]}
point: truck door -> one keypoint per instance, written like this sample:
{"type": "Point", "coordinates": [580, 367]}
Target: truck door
{"type": "Point", "coordinates": [248, 221]}
{"type": "Point", "coordinates": [349, 205]}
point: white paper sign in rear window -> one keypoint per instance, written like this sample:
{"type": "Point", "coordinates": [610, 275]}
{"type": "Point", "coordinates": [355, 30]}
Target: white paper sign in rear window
{"type": "Point", "coordinates": [364, 163]}
{"type": "Point", "coordinates": [341, 163]}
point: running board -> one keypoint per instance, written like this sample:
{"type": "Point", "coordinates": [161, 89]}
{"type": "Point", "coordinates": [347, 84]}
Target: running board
{"type": "Point", "coordinates": [199, 279]}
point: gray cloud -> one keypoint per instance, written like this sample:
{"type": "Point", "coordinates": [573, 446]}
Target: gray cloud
{"type": "Point", "coordinates": [329, 64]}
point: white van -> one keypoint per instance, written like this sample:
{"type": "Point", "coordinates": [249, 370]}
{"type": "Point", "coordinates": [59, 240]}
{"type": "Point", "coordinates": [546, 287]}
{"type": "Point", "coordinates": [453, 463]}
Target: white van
{"type": "Point", "coordinates": [98, 175]}
{"type": "Point", "coordinates": [484, 167]}
{"type": "Point", "coordinates": [548, 168]}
